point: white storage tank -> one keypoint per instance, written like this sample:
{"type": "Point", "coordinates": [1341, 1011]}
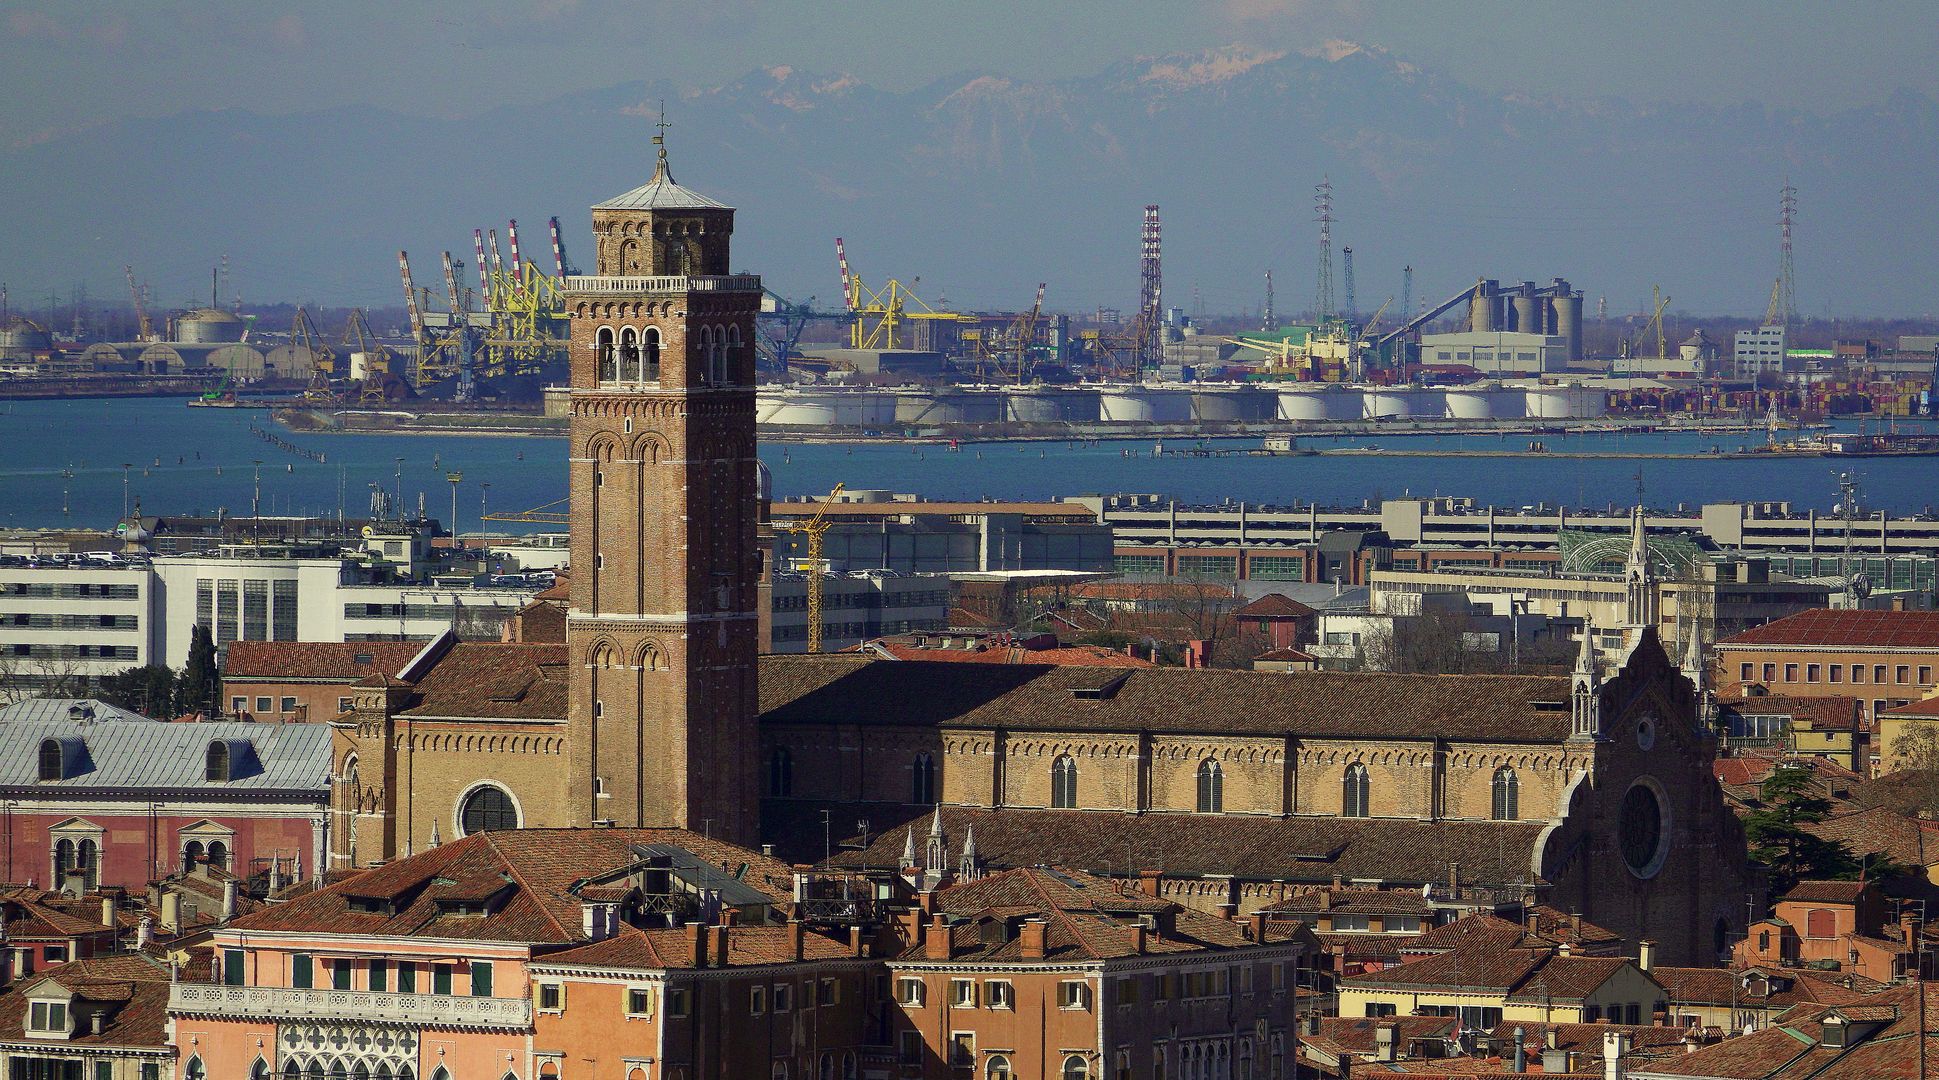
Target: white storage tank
{"type": "Point", "coordinates": [1565, 402]}
{"type": "Point", "coordinates": [1318, 402]}
{"type": "Point", "coordinates": [1483, 401]}
{"type": "Point", "coordinates": [967, 406]}
{"type": "Point", "coordinates": [1033, 405]}
{"type": "Point", "coordinates": [915, 406]}
{"type": "Point", "coordinates": [1230, 404]}
{"type": "Point", "coordinates": [1124, 405]}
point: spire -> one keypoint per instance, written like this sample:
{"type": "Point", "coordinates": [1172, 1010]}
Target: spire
{"type": "Point", "coordinates": [434, 833]}
{"type": "Point", "coordinates": [936, 824]}
{"type": "Point", "coordinates": [968, 871]}
{"type": "Point", "coordinates": [1639, 583]}
{"type": "Point", "coordinates": [1585, 689]}
{"type": "Point", "coordinates": [935, 855]}
{"type": "Point", "coordinates": [908, 847]}
{"type": "Point", "coordinates": [1585, 657]}
{"type": "Point", "coordinates": [1638, 531]}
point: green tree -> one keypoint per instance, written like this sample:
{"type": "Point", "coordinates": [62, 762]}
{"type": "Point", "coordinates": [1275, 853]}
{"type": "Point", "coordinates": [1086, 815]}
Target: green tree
{"type": "Point", "coordinates": [197, 689]}
{"type": "Point", "coordinates": [1781, 840]}
{"type": "Point", "coordinates": [149, 690]}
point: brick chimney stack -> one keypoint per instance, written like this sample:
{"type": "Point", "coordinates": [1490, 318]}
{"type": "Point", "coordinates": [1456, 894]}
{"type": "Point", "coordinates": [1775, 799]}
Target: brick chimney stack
{"type": "Point", "coordinates": [697, 941]}
{"type": "Point", "coordinates": [936, 943]}
{"type": "Point", "coordinates": [1034, 938]}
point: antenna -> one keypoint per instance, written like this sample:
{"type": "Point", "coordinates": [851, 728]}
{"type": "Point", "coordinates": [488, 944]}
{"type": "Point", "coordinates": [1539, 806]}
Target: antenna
{"type": "Point", "coordinates": [1787, 213]}
{"type": "Point", "coordinates": [1407, 294]}
{"type": "Point", "coordinates": [1323, 213]}
{"type": "Point", "coordinates": [1346, 271]}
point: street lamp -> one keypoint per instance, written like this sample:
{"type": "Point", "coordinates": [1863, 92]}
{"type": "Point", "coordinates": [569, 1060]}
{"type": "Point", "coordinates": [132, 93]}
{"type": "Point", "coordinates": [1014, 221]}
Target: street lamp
{"type": "Point", "coordinates": [482, 489]}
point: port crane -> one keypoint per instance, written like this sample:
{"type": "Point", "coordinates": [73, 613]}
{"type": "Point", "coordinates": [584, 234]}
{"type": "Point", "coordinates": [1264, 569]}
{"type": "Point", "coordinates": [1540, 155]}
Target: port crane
{"type": "Point", "coordinates": [815, 528]}
{"type": "Point", "coordinates": [876, 315]}
{"type": "Point", "coordinates": [1658, 303]}
{"type": "Point", "coordinates": [780, 323]}
{"type": "Point", "coordinates": [145, 330]}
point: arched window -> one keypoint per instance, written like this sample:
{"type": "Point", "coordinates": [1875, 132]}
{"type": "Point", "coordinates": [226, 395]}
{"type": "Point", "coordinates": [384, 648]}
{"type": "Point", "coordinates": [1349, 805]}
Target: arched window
{"type": "Point", "coordinates": [487, 809]}
{"type": "Point", "coordinates": [781, 772]}
{"type": "Point", "coordinates": [217, 762]}
{"type": "Point", "coordinates": [1063, 783]}
{"type": "Point", "coordinates": [1720, 936]}
{"type": "Point", "coordinates": [704, 348]}
{"type": "Point", "coordinates": [218, 855]}
{"type": "Point", "coordinates": [1158, 1062]}
{"type": "Point", "coordinates": [259, 1071]}
{"type": "Point", "coordinates": [1076, 1069]}
{"type": "Point", "coordinates": [1763, 941]}
{"type": "Point", "coordinates": [608, 361]}
{"type": "Point", "coordinates": [650, 345]}
{"type": "Point", "coordinates": [441, 1074]}
{"type": "Point", "coordinates": [922, 780]}
{"type": "Point", "coordinates": [827, 1071]}
{"type": "Point", "coordinates": [779, 1072]}
{"type": "Point", "coordinates": [50, 760]}
{"type": "Point", "coordinates": [997, 1068]}
{"type": "Point", "coordinates": [629, 355]}
{"type": "Point", "coordinates": [191, 854]}
{"type": "Point", "coordinates": [730, 360]}
{"type": "Point", "coordinates": [85, 862]}
{"type": "Point", "coordinates": [63, 861]}
{"type": "Point", "coordinates": [195, 1070]}
{"type": "Point", "coordinates": [848, 1065]}
{"type": "Point", "coordinates": [1211, 787]}
{"type": "Point", "coordinates": [1353, 791]}
{"type": "Point", "coordinates": [337, 1071]}
{"type": "Point", "coordinates": [1508, 800]}
{"type": "Point", "coordinates": [360, 1071]}
{"type": "Point", "coordinates": [291, 1070]}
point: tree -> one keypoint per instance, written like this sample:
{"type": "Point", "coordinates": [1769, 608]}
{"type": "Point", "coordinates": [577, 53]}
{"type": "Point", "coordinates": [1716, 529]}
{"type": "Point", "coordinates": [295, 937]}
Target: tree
{"type": "Point", "coordinates": [1916, 751]}
{"type": "Point", "coordinates": [149, 690]}
{"type": "Point", "coordinates": [1781, 840]}
{"type": "Point", "coordinates": [197, 688]}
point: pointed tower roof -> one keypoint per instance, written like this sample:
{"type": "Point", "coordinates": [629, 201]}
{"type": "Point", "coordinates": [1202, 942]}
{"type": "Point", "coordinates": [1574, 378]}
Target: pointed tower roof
{"type": "Point", "coordinates": [1585, 657]}
{"type": "Point", "coordinates": [661, 193]}
{"type": "Point", "coordinates": [1638, 538]}
{"type": "Point", "coordinates": [909, 846]}
{"type": "Point", "coordinates": [936, 823]}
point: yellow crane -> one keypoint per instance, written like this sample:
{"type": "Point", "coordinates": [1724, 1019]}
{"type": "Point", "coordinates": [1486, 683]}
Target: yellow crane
{"type": "Point", "coordinates": [539, 514]}
{"type": "Point", "coordinates": [1773, 313]}
{"type": "Point", "coordinates": [1657, 319]}
{"type": "Point", "coordinates": [815, 528]}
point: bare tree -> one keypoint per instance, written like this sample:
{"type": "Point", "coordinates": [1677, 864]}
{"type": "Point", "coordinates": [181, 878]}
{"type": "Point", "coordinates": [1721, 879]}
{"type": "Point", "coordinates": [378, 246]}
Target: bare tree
{"type": "Point", "coordinates": [1916, 750]}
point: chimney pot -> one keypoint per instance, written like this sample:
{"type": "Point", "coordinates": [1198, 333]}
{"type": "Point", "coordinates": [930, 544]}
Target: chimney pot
{"type": "Point", "coordinates": [936, 941]}
{"type": "Point", "coordinates": [1646, 955]}
{"type": "Point", "coordinates": [145, 932]}
{"type": "Point", "coordinates": [1149, 880]}
{"type": "Point", "coordinates": [110, 911]}
{"type": "Point", "coordinates": [697, 942]}
{"type": "Point", "coordinates": [1258, 922]}
{"type": "Point", "coordinates": [796, 940]}
{"type": "Point", "coordinates": [1034, 939]}
{"type": "Point", "coordinates": [717, 950]}
{"type": "Point", "coordinates": [171, 911]}
{"type": "Point", "coordinates": [230, 891]}
{"type": "Point", "coordinates": [1138, 940]}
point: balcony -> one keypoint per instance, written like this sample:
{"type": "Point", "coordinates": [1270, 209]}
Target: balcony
{"type": "Point", "coordinates": [284, 1003]}
{"type": "Point", "coordinates": [725, 283]}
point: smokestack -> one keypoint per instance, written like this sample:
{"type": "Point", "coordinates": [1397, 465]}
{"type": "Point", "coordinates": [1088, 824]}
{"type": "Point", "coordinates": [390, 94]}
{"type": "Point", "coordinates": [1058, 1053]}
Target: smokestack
{"type": "Point", "coordinates": [1521, 1052]}
{"type": "Point", "coordinates": [144, 932]}
{"type": "Point", "coordinates": [1615, 1044]}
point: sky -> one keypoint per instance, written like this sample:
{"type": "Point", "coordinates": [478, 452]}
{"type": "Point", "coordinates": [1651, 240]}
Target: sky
{"type": "Point", "coordinates": [75, 63]}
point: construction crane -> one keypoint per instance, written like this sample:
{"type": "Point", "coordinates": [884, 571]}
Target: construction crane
{"type": "Point", "coordinates": [1774, 313]}
{"type": "Point", "coordinates": [1658, 302]}
{"type": "Point", "coordinates": [140, 295]}
{"type": "Point", "coordinates": [780, 323]}
{"type": "Point", "coordinates": [542, 514]}
{"type": "Point", "coordinates": [1025, 334]}
{"type": "Point", "coordinates": [815, 528]}
{"type": "Point", "coordinates": [877, 314]}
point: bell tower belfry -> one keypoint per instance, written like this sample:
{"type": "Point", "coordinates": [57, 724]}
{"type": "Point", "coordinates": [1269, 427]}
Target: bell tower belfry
{"type": "Point", "coordinates": [661, 632]}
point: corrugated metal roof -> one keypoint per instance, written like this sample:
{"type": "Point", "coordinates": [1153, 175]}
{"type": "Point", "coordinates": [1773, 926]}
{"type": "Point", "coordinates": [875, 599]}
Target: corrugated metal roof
{"type": "Point", "coordinates": [661, 193]}
{"type": "Point", "coordinates": [142, 754]}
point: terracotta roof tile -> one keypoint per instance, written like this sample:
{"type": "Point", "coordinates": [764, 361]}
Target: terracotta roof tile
{"type": "Point", "coordinates": [331, 661]}
{"type": "Point", "coordinates": [633, 949]}
{"type": "Point", "coordinates": [1834, 892]}
{"type": "Point", "coordinates": [1793, 1048]}
{"type": "Point", "coordinates": [1831, 627]}
{"type": "Point", "coordinates": [1274, 606]}
{"type": "Point", "coordinates": [135, 985]}
{"type": "Point", "coordinates": [502, 680]}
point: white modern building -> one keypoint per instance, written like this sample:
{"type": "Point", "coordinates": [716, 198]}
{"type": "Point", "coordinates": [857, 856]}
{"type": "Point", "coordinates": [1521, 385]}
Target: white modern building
{"type": "Point", "coordinates": [62, 624]}
{"type": "Point", "coordinates": [1764, 350]}
{"type": "Point", "coordinates": [1498, 353]}
{"type": "Point", "coordinates": [855, 607]}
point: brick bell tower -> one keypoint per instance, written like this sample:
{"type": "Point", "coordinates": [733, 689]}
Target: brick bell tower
{"type": "Point", "coordinates": [662, 628]}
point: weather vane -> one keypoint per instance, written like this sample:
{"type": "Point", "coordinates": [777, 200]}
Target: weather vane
{"type": "Point", "coordinates": [660, 140]}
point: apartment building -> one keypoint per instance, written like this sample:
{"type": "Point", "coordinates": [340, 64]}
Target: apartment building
{"type": "Point", "coordinates": [62, 628]}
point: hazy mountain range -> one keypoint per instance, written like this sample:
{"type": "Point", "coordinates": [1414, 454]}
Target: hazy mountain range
{"type": "Point", "coordinates": [983, 186]}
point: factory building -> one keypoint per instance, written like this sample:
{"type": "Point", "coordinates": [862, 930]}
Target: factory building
{"type": "Point", "coordinates": [1552, 310]}
{"type": "Point", "coordinates": [1498, 352]}
{"type": "Point", "coordinates": [1761, 351]}
{"type": "Point", "coordinates": [881, 530]}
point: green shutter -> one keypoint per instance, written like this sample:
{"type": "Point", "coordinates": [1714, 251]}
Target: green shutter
{"type": "Point", "coordinates": [480, 978]}
{"type": "Point", "coordinates": [340, 974]}
{"type": "Point", "coordinates": [406, 978]}
{"type": "Point", "coordinates": [301, 971]}
{"type": "Point", "coordinates": [379, 975]}
{"type": "Point", "coordinates": [232, 967]}
{"type": "Point", "coordinates": [441, 978]}
{"type": "Point", "coordinates": [103, 1069]}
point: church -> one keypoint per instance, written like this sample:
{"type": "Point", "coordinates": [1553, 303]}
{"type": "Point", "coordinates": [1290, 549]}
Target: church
{"type": "Point", "coordinates": [1228, 790]}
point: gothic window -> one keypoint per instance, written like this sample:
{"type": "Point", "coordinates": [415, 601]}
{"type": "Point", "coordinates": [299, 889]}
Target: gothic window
{"type": "Point", "coordinates": [191, 854]}
{"type": "Point", "coordinates": [1353, 791]}
{"type": "Point", "coordinates": [1508, 800]}
{"type": "Point", "coordinates": [650, 344]}
{"type": "Point", "coordinates": [629, 356]}
{"type": "Point", "coordinates": [50, 760]}
{"type": "Point", "coordinates": [487, 809]}
{"type": "Point", "coordinates": [195, 1070]}
{"type": "Point", "coordinates": [998, 1068]}
{"type": "Point", "coordinates": [922, 780]}
{"type": "Point", "coordinates": [1211, 787]}
{"type": "Point", "coordinates": [706, 352]}
{"type": "Point", "coordinates": [259, 1071]}
{"type": "Point", "coordinates": [1063, 783]}
{"type": "Point", "coordinates": [1640, 834]}
{"type": "Point", "coordinates": [781, 772]}
{"type": "Point", "coordinates": [218, 855]}
{"type": "Point", "coordinates": [608, 360]}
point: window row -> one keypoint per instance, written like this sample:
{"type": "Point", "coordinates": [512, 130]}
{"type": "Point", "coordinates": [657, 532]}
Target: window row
{"type": "Point", "coordinates": [1899, 674]}
{"type": "Point", "coordinates": [912, 992]}
{"type": "Point", "coordinates": [633, 356]}
{"type": "Point", "coordinates": [380, 975]}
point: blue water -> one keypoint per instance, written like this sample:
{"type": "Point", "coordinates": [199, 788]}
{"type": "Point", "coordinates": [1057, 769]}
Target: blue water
{"type": "Point", "coordinates": [207, 462]}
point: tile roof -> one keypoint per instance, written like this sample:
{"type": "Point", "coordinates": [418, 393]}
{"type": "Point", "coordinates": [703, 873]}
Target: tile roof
{"type": "Point", "coordinates": [848, 689]}
{"type": "Point", "coordinates": [1569, 978]}
{"type": "Point", "coordinates": [326, 661]}
{"type": "Point", "coordinates": [1829, 627]}
{"type": "Point", "coordinates": [136, 986]}
{"type": "Point", "coordinates": [1355, 901]}
{"type": "Point", "coordinates": [1274, 606]}
{"type": "Point", "coordinates": [1355, 1034]}
{"type": "Point", "coordinates": [141, 754]}
{"type": "Point", "coordinates": [1909, 841]}
{"type": "Point", "coordinates": [1828, 892]}
{"type": "Point", "coordinates": [1925, 706]}
{"type": "Point", "coordinates": [1495, 969]}
{"type": "Point", "coordinates": [1401, 851]}
{"type": "Point", "coordinates": [1907, 1045]}
{"type": "Point", "coordinates": [993, 652]}
{"type": "Point", "coordinates": [27, 914]}
{"type": "Point", "coordinates": [633, 949]}
{"type": "Point", "coordinates": [1824, 713]}
{"type": "Point", "coordinates": [524, 877]}
{"type": "Point", "coordinates": [660, 193]}
{"type": "Point", "coordinates": [498, 680]}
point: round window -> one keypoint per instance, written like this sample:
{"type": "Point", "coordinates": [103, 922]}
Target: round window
{"type": "Point", "coordinates": [1642, 832]}
{"type": "Point", "coordinates": [1646, 733]}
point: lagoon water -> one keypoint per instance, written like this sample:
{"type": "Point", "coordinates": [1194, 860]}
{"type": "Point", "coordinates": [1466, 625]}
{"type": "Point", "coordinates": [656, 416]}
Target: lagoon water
{"type": "Point", "coordinates": [207, 461]}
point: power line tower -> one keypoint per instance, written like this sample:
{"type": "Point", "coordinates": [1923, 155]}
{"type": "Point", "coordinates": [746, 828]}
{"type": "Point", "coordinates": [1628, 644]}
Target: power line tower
{"type": "Point", "coordinates": [1323, 213]}
{"type": "Point", "coordinates": [1346, 271]}
{"type": "Point", "coordinates": [1268, 321]}
{"type": "Point", "coordinates": [1407, 294]}
{"type": "Point", "coordinates": [1787, 213]}
{"type": "Point", "coordinates": [1151, 281]}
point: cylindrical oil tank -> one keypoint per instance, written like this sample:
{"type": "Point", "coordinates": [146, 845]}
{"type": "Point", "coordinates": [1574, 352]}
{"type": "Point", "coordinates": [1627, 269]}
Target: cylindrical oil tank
{"type": "Point", "coordinates": [968, 406]}
{"type": "Point", "coordinates": [1124, 405]}
{"type": "Point", "coordinates": [1230, 404]}
{"type": "Point", "coordinates": [208, 326]}
{"type": "Point", "coordinates": [20, 339]}
{"type": "Point", "coordinates": [915, 406]}
{"type": "Point", "coordinates": [1476, 402]}
{"type": "Point", "coordinates": [1317, 402]}
{"type": "Point", "coordinates": [1528, 310]}
{"type": "Point", "coordinates": [1080, 404]}
{"type": "Point", "coordinates": [1568, 321]}
{"type": "Point", "coordinates": [1170, 404]}
{"type": "Point", "coordinates": [1033, 406]}
{"type": "Point", "coordinates": [1389, 402]}
{"type": "Point", "coordinates": [796, 408]}
{"type": "Point", "coordinates": [1566, 402]}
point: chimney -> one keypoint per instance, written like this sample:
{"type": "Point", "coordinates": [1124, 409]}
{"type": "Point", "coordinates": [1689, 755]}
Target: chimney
{"type": "Point", "coordinates": [1384, 1039]}
{"type": "Point", "coordinates": [590, 923]}
{"type": "Point", "coordinates": [230, 889]}
{"type": "Point", "coordinates": [697, 942]}
{"type": "Point", "coordinates": [1615, 1046]}
{"type": "Point", "coordinates": [1646, 955]}
{"type": "Point", "coordinates": [98, 1022]}
{"type": "Point", "coordinates": [1033, 938]}
{"type": "Point", "coordinates": [935, 943]}
{"type": "Point", "coordinates": [172, 911]}
{"type": "Point", "coordinates": [1148, 881]}
{"type": "Point", "coordinates": [795, 938]}
{"type": "Point", "coordinates": [1565, 949]}
{"type": "Point", "coordinates": [1558, 1061]}
{"type": "Point", "coordinates": [717, 949]}
{"type": "Point", "coordinates": [1138, 938]}
{"type": "Point", "coordinates": [144, 932]}
{"type": "Point", "coordinates": [110, 910]}
{"type": "Point", "coordinates": [926, 901]}
{"type": "Point", "coordinates": [1531, 920]}
{"type": "Point", "coordinates": [1258, 922]}
{"type": "Point", "coordinates": [858, 945]}
{"type": "Point", "coordinates": [1521, 1052]}
{"type": "Point", "coordinates": [1575, 926]}
{"type": "Point", "coordinates": [1549, 1040]}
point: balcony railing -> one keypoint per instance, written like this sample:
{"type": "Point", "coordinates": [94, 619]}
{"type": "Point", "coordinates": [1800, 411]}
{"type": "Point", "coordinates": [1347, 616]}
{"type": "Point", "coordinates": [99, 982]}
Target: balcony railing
{"type": "Point", "coordinates": [276, 1002]}
{"type": "Point", "coordinates": [724, 283]}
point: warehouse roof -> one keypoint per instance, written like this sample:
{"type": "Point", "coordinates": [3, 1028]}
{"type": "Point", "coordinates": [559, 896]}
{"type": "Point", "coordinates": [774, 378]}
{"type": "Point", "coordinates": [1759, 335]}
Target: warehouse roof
{"type": "Point", "coordinates": [143, 754]}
